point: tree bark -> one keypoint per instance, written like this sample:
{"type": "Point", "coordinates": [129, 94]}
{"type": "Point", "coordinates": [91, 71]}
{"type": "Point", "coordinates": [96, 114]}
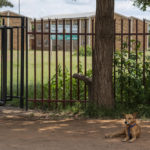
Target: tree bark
{"type": "Point", "coordinates": [103, 54]}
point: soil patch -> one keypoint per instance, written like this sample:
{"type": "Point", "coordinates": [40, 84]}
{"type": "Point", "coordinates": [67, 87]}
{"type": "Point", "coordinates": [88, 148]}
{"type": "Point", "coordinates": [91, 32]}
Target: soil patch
{"type": "Point", "coordinates": [33, 130]}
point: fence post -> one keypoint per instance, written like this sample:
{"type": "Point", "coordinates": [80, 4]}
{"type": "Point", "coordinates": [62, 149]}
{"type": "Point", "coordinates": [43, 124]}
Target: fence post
{"type": "Point", "coordinates": [4, 66]}
{"type": "Point", "coordinates": [22, 65]}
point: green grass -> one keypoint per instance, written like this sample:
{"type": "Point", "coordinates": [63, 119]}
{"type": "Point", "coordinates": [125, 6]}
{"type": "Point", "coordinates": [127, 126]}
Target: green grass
{"type": "Point", "coordinates": [39, 68]}
{"type": "Point", "coordinates": [90, 110]}
{"type": "Point", "coordinates": [53, 64]}
{"type": "Point", "coordinates": [38, 64]}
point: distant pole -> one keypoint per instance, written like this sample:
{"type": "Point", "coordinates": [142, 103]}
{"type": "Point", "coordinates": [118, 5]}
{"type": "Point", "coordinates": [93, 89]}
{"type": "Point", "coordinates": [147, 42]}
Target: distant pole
{"type": "Point", "coordinates": [19, 6]}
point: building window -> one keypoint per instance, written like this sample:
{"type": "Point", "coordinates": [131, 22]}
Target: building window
{"type": "Point", "coordinates": [46, 27]}
{"type": "Point", "coordinates": [38, 27]}
{"type": "Point", "coordinates": [46, 43]}
{"type": "Point", "coordinates": [53, 28]}
{"type": "Point", "coordinates": [38, 43]}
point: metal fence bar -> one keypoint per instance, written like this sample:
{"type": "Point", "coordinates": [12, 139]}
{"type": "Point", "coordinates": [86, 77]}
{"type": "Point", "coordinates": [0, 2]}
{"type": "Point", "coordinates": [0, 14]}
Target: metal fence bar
{"type": "Point", "coordinates": [78, 60]}
{"type": "Point", "coordinates": [35, 61]}
{"type": "Point", "coordinates": [18, 61]}
{"type": "Point", "coordinates": [11, 63]}
{"type": "Point", "coordinates": [64, 64]}
{"type": "Point", "coordinates": [56, 21]}
{"type": "Point", "coordinates": [93, 48]}
{"type": "Point", "coordinates": [22, 64]}
{"type": "Point", "coordinates": [121, 59]}
{"type": "Point", "coordinates": [26, 64]}
{"type": "Point", "coordinates": [4, 65]}
{"type": "Point", "coordinates": [88, 34]}
{"type": "Point", "coordinates": [114, 60]}
{"type": "Point", "coordinates": [56, 101]}
{"type": "Point", "coordinates": [49, 61]}
{"type": "Point", "coordinates": [71, 60]}
{"type": "Point", "coordinates": [144, 38]}
{"type": "Point", "coordinates": [85, 58]}
{"type": "Point", "coordinates": [42, 63]}
{"type": "Point", "coordinates": [129, 52]}
{"type": "Point", "coordinates": [136, 45]}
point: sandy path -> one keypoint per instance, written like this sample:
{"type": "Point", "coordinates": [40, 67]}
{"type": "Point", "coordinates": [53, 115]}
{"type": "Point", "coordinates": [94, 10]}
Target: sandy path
{"type": "Point", "coordinates": [21, 131]}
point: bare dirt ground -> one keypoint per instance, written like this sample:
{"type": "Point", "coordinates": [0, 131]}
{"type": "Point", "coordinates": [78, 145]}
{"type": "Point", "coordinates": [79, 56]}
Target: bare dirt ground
{"type": "Point", "coordinates": [20, 130]}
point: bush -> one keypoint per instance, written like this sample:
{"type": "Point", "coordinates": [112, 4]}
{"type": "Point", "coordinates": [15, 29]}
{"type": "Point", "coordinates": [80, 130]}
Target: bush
{"type": "Point", "coordinates": [129, 79]}
{"type": "Point", "coordinates": [82, 51]}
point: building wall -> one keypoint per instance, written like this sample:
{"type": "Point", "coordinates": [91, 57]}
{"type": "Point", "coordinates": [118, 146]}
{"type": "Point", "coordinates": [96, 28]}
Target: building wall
{"type": "Point", "coordinates": [133, 27]}
{"type": "Point", "coordinates": [53, 42]}
{"type": "Point", "coordinates": [138, 27]}
{"type": "Point", "coordinates": [122, 25]}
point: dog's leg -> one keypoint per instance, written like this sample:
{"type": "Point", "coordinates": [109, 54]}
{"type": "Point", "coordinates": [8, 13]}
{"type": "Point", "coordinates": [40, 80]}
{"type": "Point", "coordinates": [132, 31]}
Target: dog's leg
{"type": "Point", "coordinates": [133, 136]}
{"type": "Point", "coordinates": [115, 134]}
{"type": "Point", "coordinates": [125, 139]}
{"type": "Point", "coordinates": [133, 139]}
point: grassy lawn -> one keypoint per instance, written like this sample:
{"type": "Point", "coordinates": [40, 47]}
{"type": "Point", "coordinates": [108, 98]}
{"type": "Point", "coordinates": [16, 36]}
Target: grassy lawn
{"type": "Point", "coordinates": [38, 66]}
{"type": "Point", "coordinates": [53, 64]}
{"type": "Point", "coordinates": [46, 69]}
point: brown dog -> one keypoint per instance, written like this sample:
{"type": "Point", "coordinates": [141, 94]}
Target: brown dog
{"type": "Point", "coordinates": [131, 130]}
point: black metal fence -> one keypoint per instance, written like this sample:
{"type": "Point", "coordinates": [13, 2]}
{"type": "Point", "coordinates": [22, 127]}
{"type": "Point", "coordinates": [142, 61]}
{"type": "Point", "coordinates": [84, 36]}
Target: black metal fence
{"type": "Point", "coordinates": [12, 65]}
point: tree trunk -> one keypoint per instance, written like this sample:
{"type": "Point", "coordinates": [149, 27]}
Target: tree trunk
{"type": "Point", "coordinates": [103, 54]}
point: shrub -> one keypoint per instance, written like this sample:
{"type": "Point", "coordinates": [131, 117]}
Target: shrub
{"type": "Point", "coordinates": [82, 51]}
{"type": "Point", "coordinates": [129, 79]}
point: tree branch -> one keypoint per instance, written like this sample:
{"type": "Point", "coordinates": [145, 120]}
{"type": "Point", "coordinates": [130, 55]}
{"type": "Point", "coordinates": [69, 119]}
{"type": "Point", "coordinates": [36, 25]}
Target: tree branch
{"type": "Point", "coordinates": [86, 79]}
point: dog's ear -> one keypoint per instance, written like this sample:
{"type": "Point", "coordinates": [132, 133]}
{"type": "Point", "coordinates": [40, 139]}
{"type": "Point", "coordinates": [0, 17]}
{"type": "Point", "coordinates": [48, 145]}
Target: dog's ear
{"type": "Point", "coordinates": [134, 114]}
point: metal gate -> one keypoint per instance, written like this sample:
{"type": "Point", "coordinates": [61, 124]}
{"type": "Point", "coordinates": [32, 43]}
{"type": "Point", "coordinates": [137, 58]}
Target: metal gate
{"type": "Point", "coordinates": [12, 42]}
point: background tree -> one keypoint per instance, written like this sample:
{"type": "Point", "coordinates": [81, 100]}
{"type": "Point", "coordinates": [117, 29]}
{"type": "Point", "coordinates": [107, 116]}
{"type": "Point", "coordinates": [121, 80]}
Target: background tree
{"type": "Point", "coordinates": [4, 3]}
{"type": "Point", "coordinates": [103, 54]}
{"type": "Point", "coordinates": [142, 4]}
